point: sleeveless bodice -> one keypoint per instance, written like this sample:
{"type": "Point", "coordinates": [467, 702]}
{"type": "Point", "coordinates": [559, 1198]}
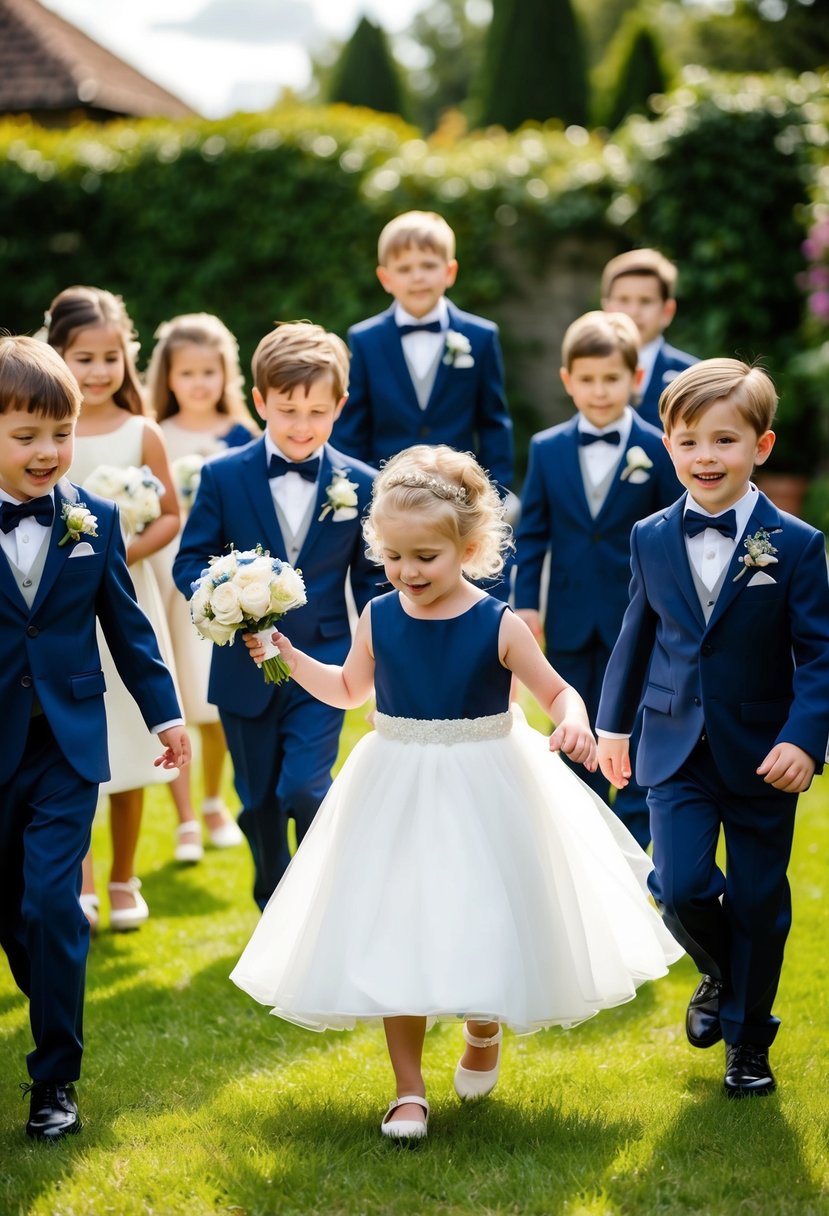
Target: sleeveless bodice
{"type": "Point", "coordinates": [122, 447]}
{"type": "Point", "coordinates": [433, 669]}
{"type": "Point", "coordinates": [182, 442]}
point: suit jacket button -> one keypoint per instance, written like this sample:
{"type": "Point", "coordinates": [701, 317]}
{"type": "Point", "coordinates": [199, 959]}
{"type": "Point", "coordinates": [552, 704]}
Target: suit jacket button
{"type": "Point", "coordinates": [27, 582]}
{"type": "Point", "coordinates": [425, 432]}
{"type": "Point", "coordinates": [32, 631]}
{"type": "Point", "coordinates": [707, 649]}
{"type": "Point", "coordinates": [26, 682]}
{"type": "Point", "coordinates": [697, 701]}
{"type": "Point", "coordinates": [597, 536]}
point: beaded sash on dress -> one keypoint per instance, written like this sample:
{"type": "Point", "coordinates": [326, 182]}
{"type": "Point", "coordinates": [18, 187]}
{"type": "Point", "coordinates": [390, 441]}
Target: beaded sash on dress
{"type": "Point", "coordinates": [443, 730]}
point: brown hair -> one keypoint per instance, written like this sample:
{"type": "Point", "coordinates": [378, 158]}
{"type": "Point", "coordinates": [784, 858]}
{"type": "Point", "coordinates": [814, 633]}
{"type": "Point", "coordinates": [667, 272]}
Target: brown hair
{"type": "Point", "coordinates": [601, 334]}
{"type": "Point", "coordinates": [749, 389]}
{"type": "Point", "coordinates": [299, 353]}
{"type": "Point", "coordinates": [78, 308]}
{"type": "Point", "coordinates": [418, 229]}
{"type": "Point", "coordinates": [198, 329]}
{"type": "Point", "coordinates": [35, 380]}
{"type": "Point", "coordinates": [451, 489]}
{"type": "Point", "coordinates": [641, 261]}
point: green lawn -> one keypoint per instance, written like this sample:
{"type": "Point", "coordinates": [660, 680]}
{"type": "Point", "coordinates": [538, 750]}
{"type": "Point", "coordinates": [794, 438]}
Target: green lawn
{"type": "Point", "coordinates": [196, 1101]}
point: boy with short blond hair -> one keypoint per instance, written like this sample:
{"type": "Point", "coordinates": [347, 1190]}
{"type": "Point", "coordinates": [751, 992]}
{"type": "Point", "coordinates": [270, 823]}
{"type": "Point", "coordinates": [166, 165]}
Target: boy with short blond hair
{"type": "Point", "coordinates": [642, 284]}
{"type": "Point", "coordinates": [423, 371]}
{"type": "Point", "coordinates": [589, 480]}
{"type": "Point", "coordinates": [301, 499]}
{"type": "Point", "coordinates": [725, 644]}
{"type": "Point", "coordinates": [62, 566]}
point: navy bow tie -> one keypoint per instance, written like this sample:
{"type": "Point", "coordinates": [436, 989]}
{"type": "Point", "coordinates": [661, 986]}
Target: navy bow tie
{"type": "Point", "coordinates": [694, 523]}
{"type": "Point", "coordinates": [587, 437]}
{"type": "Point", "coordinates": [277, 467]}
{"type": "Point", "coordinates": [41, 509]}
{"type": "Point", "coordinates": [427, 327]}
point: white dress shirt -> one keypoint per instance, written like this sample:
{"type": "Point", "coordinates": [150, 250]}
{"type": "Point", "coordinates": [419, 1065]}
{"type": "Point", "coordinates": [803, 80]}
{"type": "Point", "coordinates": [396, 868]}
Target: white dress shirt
{"type": "Point", "coordinates": [23, 543]}
{"type": "Point", "coordinates": [292, 493]}
{"type": "Point", "coordinates": [709, 552]}
{"type": "Point", "coordinates": [600, 458]}
{"type": "Point", "coordinates": [421, 349]}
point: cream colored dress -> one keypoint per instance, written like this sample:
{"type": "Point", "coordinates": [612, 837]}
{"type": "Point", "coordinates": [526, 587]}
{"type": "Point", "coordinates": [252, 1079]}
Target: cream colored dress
{"type": "Point", "coordinates": [132, 749]}
{"type": "Point", "coordinates": [192, 652]}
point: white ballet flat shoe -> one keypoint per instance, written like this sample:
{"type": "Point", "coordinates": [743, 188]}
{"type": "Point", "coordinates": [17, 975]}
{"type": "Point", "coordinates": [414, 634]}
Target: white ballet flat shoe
{"type": "Point", "coordinates": [90, 905]}
{"type": "Point", "coordinates": [121, 920]}
{"type": "Point", "coordinates": [471, 1084]}
{"type": "Point", "coordinates": [189, 847]}
{"type": "Point", "coordinates": [406, 1129]}
{"type": "Point", "coordinates": [227, 835]}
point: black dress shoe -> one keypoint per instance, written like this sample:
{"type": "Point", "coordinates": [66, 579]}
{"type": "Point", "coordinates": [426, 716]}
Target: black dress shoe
{"type": "Point", "coordinates": [53, 1111]}
{"type": "Point", "coordinates": [747, 1071]}
{"type": "Point", "coordinates": [702, 1021]}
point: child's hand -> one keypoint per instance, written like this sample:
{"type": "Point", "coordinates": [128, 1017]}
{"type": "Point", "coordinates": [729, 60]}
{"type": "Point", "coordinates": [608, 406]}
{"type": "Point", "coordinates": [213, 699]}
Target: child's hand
{"type": "Point", "coordinates": [614, 760]}
{"type": "Point", "coordinates": [255, 647]}
{"type": "Point", "coordinates": [177, 752]}
{"type": "Point", "coordinates": [287, 652]}
{"type": "Point", "coordinates": [575, 739]}
{"type": "Point", "coordinates": [532, 619]}
{"type": "Point", "coordinates": [788, 768]}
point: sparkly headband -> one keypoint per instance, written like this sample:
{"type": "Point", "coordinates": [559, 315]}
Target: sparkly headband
{"type": "Point", "coordinates": [422, 481]}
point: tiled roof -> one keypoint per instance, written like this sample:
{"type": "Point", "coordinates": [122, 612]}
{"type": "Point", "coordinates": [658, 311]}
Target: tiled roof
{"type": "Point", "coordinates": [46, 64]}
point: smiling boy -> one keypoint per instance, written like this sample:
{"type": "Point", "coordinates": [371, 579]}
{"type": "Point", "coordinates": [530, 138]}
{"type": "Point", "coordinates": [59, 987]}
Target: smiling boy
{"type": "Point", "coordinates": [62, 566]}
{"type": "Point", "coordinates": [726, 644]}
{"type": "Point", "coordinates": [275, 492]}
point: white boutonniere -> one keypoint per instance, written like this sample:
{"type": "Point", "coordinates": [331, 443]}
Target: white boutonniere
{"type": "Point", "coordinates": [760, 552]}
{"type": "Point", "coordinates": [637, 466]}
{"type": "Point", "coordinates": [458, 350]}
{"type": "Point", "coordinates": [78, 520]}
{"type": "Point", "coordinates": [342, 498]}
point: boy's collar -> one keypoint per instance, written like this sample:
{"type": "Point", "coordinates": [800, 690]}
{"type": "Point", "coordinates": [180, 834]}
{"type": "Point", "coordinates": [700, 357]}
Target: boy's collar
{"type": "Point", "coordinates": [743, 508]}
{"type": "Point", "coordinates": [622, 424]}
{"type": "Point", "coordinates": [439, 313]}
{"type": "Point", "coordinates": [649, 353]}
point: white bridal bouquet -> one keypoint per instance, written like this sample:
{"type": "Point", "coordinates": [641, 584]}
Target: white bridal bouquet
{"type": "Point", "coordinates": [136, 492]}
{"type": "Point", "coordinates": [186, 477]}
{"type": "Point", "coordinates": [247, 590]}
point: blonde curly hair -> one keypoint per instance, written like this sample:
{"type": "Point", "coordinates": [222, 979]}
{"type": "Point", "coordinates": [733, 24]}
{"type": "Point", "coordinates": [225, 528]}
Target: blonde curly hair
{"type": "Point", "coordinates": [455, 493]}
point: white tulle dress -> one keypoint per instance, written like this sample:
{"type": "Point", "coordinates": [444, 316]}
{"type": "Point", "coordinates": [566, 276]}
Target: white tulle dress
{"type": "Point", "coordinates": [456, 868]}
{"type": "Point", "coordinates": [132, 749]}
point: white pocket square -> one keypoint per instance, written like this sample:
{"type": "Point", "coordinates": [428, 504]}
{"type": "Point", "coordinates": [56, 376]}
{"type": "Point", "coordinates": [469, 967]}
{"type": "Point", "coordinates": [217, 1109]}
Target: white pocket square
{"type": "Point", "coordinates": [84, 549]}
{"type": "Point", "coordinates": [760, 579]}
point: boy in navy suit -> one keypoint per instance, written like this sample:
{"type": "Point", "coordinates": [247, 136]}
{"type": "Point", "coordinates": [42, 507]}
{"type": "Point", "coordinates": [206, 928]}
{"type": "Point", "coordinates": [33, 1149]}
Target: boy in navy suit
{"type": "Point", "coordinates": [588, 482]}
{"type": "Point", "coordinates": [301, 499]}
{"type": "Point", "coordinates": [423, 371]}
{"type": "Point", "coordinates": [726, 644]}
{"type": "Point", "coordinates": [62, 564]}
{"type": "Point", "coordinates": [642, 284]}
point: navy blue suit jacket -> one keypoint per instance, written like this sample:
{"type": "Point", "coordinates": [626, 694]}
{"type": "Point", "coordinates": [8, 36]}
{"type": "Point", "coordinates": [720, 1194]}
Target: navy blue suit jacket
{"type": "Point", "coordinates": [234, 508]}
{"type": "Point", "coordinates": [757, 674]}
{"type": "Point", "coordinates": [467, 408]}
{"type": "Point", "coordinates": [590, 558]}
{"type": "Point", "coordinates": [51, 651]}
{"type": "Point", "coordinates": [669, 363]}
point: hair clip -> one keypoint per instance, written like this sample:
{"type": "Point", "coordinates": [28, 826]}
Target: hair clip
{"type": "Point", "coordinates": [47, 319]}
{"type": "Point", "coordinates": [423, 481]}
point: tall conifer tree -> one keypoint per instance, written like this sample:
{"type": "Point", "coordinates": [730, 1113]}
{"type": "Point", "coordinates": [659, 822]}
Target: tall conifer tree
{"type": "Point", "coordinates": [534, 65]}
{"type": "Point", "coordinates": [365, 74]}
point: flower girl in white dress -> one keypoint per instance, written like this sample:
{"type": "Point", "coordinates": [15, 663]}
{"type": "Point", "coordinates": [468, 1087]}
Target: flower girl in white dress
{"type": "Point", "coordinates": [456, 869]}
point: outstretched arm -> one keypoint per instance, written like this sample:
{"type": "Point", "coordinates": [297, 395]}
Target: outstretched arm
{"type": "Point", "coordinates": [520, 653]}
{"type": "Point", "coordinates": [343, 687]}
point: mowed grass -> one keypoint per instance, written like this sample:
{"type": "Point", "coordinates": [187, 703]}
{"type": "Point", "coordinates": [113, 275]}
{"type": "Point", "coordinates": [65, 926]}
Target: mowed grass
{"type": "Point", "coordinates": [196, 1101]}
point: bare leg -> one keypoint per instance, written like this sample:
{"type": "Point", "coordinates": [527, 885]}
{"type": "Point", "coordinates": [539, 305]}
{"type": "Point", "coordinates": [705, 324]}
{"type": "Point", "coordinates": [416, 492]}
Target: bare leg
{"type": "Point", "coordinates": [88, 884]}
{"type": "Point", "coordinates": [125, 824]}
{"type": "Point", "coordinates": [213, 751]}
{"type": "Point", "coordinates": [180, 789]}
{"type": "Point", "coordinates": [404, 1037]}
{"type": "Point", "coordinates": [481, 1059]}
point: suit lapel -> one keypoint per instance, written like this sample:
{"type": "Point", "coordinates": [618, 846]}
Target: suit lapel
{"type": "Point", "coordinates": [766, 516]}
{"type": "Point", "coordinates": [315, 527]}
{"type": "Point", "coordinates": [258, 489]}
{"type": "Point", "coordinates": [393, 350]}
{"type": "Point", "coordinates": [444, 369]}
{"type": "Point", "coordinates": [57, 553]}
{"type": "Point", "coordinates": [673, 539]}
{"type": "Point", "coordinates": [568, 474]}
{"type": "Point", "coordinates": [635, 439]}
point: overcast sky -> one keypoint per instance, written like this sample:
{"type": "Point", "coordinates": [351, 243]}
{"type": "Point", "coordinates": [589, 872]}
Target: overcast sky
{"type": "Point", "coordinates": [226, 55]}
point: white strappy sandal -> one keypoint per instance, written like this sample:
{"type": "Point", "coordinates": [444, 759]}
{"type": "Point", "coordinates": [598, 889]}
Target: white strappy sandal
{"type": "Point", "coordinates": [406, 1129]}
{"type": "Point", "coordinates": [122, 920]}
{"type": "Point", "coordinates": [470, 1083]}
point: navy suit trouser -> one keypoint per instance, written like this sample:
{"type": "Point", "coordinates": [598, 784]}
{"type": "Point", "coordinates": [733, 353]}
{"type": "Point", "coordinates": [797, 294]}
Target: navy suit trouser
{"type": "Point", "coordinates": [282, 763]}
{"type": "Point", "coordinates": [733, 925]}
{"type": "Point", "coordinates": [585, 669]}
{"type": "Point", "coordinates": [46, 814]}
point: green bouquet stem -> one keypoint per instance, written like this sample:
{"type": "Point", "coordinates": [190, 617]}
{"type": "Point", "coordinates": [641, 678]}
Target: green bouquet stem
{"type": "Point", "coordinates": [276, 671]}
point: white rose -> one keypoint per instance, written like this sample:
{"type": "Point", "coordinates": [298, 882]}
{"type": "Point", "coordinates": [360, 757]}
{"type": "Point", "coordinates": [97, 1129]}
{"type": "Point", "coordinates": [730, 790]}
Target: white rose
{"type": "Point", "coordinates": [221, 567]}
{"type": "Point", "coordinates": [257, 571]}
{"type": "Point", "coordinates": [199, 605]}
{"type": "Point", "coordinates": [217, 632]}
{"type": "Point", "coordinates": [225, 604]}
{"type": "Point", "coordinates": [255, 600]}
{"type": "Point", "coordinates": [287, 590]}
{"type": "Point", "coordinates": [639, 458]}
